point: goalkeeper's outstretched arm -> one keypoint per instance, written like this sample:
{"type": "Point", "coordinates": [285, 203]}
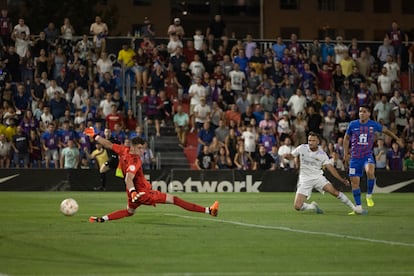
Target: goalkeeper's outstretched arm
{"type": "Point", "coordinates": [104, 142]}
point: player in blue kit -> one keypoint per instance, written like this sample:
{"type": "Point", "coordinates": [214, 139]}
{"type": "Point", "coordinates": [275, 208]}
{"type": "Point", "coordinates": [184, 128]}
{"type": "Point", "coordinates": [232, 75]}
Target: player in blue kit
{"type": "Point", "coordinates": [358, 144]}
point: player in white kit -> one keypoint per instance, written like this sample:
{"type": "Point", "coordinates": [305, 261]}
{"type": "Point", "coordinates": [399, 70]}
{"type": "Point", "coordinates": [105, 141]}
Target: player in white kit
{"type": "Point", "coordinates": [312, 161]}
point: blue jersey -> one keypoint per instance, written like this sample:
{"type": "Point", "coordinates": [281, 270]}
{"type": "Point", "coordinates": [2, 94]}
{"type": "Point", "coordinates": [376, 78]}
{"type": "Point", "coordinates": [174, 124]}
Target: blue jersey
{"type": "Point", "coordinates": [51, 140]}
{"type": "Point", "coordinates": [362, 137]}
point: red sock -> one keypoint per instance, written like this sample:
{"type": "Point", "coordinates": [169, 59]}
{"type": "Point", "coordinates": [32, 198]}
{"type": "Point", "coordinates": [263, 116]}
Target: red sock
{"type": "Point", "coordinates": [188, 205]}
{"type": "Point", "coordinates": [119, 214]}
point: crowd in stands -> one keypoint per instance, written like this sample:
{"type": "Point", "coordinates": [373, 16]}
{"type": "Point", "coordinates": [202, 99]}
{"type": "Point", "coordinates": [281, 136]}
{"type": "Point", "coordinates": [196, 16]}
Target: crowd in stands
{"type": "Point", "coordinates": [248, 106]}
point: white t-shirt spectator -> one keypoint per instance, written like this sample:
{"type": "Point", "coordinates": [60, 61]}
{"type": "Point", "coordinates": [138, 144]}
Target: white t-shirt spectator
{"type": "Point", "coordinates": [249, 141]}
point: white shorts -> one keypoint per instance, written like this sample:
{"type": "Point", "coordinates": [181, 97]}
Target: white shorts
{"type": "Point", "coordinates": [306, 185]}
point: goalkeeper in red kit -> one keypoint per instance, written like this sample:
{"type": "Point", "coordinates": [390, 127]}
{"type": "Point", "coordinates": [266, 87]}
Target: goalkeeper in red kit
{"type": "Point", "coordinates": [138, 189]}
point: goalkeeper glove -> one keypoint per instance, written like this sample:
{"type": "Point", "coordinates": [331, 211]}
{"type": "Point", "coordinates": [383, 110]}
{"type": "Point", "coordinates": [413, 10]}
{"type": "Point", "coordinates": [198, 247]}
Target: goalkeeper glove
{"type": "Point", "coordinates": [135, 195]}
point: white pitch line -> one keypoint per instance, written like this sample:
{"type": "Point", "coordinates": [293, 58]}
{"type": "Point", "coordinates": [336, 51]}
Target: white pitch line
{"type": "Point", "coordinates": [288, 229]}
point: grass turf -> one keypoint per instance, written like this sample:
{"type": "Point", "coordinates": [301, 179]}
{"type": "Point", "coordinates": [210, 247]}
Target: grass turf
{"type": "Point", "coordinates": [254, 234]}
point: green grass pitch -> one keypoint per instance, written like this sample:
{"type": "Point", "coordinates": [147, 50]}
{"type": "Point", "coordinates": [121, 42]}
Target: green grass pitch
{"type": "Point", "coordinates": [254, 234]}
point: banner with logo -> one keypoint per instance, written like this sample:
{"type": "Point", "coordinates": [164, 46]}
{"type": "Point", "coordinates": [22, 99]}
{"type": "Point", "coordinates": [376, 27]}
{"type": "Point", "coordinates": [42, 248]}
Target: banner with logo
{"type": "Point", "coordinates": [188, 181]}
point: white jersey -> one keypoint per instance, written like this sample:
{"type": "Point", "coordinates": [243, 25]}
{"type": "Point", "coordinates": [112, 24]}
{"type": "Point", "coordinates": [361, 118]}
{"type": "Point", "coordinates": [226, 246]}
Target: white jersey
{"type": "Point", "coordinates": [311, 162]}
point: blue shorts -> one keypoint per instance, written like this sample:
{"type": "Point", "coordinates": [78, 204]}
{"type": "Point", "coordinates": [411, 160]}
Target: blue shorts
{"type": "Point", "coordinates": [357, 166]}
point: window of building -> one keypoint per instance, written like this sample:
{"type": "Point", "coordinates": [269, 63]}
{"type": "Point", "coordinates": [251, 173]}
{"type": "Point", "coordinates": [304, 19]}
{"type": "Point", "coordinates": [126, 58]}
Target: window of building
{"type": "Point", "coordinates": [382, 6]}
{"type": "Point", "coordinates": [326, 5]}
{"type": "Point", "coordinates": [354, 6]}
{"type": "Point", "coordinates": [141, 2]}
{"type": "Point", "coordinates": [285, 32]}
{"type": "Point", "coordinates": [353, 33]}
{"type": "Point", "coordinates": [289, 4]}
{"type": "Point", "coordinates": [407, 7]}
{"type": "Point", "coordinates": [240, 8]}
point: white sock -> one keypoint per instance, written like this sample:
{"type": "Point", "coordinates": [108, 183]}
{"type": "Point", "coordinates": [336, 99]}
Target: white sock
{"type": "Point", "coordinates": [307, 206]}
{"type": "Point", "coordinates": [207, 211]}
{"type": "Point", "coordinates": [342, 197]}
{"type": "Point", "coordinates": [105, 218]}
{"type": "Point", "coordinates": [369, 195]}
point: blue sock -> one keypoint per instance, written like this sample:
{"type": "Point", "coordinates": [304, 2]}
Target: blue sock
{"type": "Point", "coordinates": [370, 184]}
{"type": "Point", "coordinates": [357, 196]}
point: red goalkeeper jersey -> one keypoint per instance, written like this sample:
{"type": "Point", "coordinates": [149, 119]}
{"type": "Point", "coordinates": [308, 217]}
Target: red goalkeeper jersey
{"type": "Point", "coordinates": [131, 163]}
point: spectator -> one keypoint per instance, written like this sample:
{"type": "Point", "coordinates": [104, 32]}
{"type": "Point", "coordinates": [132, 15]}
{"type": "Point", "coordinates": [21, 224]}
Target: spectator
{"type": "Point", "coordinates": [140, 69]}
{"type": "Point", "coordinates": [408, 133]}
{"type": "Point", "coordinates": [181, 123]}
{"type": "Point", "coordinates": [232, 114]}
{"type": "Point", "coordinates": [395, 158]}
{"type": "Point", "coordinates": [284, 150]}
{"type": "Point", "coordinates": [196, 67]}
{"type": "Point", "coordinates": [153, 104]}
{"type": "Point", "coordinates": [380, 153]}
{"type": "Point", "coordinates": [148, 29]}
{"type": "Point", "coordinates": [401, 115]}
{"type": "Point", "coordinates": [384, 82]}
{"type": "Point", "coordinates": [205, 136]}
{"type": "Point", "coordinates": [174, 45]}
{"type": "Point", "coordinates": [300, 128]}
{"type": "Point", "coordinates": [249, 138]}
{"type": "Point", "coordinates": [216, 28]}
{"type": "Point", "coordinates": [263, 160]}
{"type": "Point", "coordinates": [12, 61]}
{"type": "Point", "coordinates": [384, 50]}
{"type": "Point", "coordinates": [67, 31]}
{"type": "Point", "coordinates": [267, 139]}
{"type": "Point", "coordinates": [5, 28]}
{"type": "Point", "coordinates": [327, 49]}
{"type": "Point", "coordinates": [216, 115]}
{"type": "Point", "coordinates": [196, 91]}
{"type": "Point", "coordinates": [113, 118]}
{"type": "Point", "coordinates": [176, 29]}
{"type": "Point", "coordinates": [118, 134]}
{"type": "Point", "coordinates": [70, 157]}
{"type": "Point", "coordinates": [65, 134]}
{"type": "Point", "coordinates": [35, 150]}
{"type": "Point", "coordinates": [21, 27]}
{"type": "Point", "coordinates": [399, 39]}
{"type": "Point", "coordinates": [242, 159]}
{"type": "Point", "coordinates": [275, 155]}
{"type": "Point", "coordinates": [382, 110]}
{"type": "Point", "coordinates": [329, 122]}
{"type": "Point", "coordinates": [297, 102]}
{"type": "Point", "coordinates": [222, 159]}
{"type": "Point", "coordinates": [99, 30]}
{"type": "Point", "coordinates": [222, 131]}
{"type": "Point", "coordinates": [103, 65]}
{"type": "Point", "coordinates": [284, 128]}
{"type": "Point", "coordinates": [80, 98]}
{"type": "Point", "coordinates": [347, 64]}
{"type": "Point", "coordinates": [205, 160]}
{"type": "Point", "coordinates": [125, 56]}
{"type": "Point", "coordinates": [148, 158]}
{"type": "Point", "coordinates": [267, 101]}
{"type": "Point", "coordinates": [58, 105]}
{"type": "Point", "coordinates": [337, 162]}
{"type": "Point", "coordinates": [340, 50]}
{"type": "Point", "coordinates": [5, 149]}
{"type": "Point", "coordinates": [408, 165]}
{"type": "Point", "coordinates": [50, 142]}
{"type": "Point", "coordinates": [243, 63]}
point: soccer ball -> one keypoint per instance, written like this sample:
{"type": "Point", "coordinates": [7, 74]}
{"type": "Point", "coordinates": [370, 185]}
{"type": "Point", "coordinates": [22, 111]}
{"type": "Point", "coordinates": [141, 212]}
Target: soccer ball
{"type": "Point", "coordinates": [69, 207]}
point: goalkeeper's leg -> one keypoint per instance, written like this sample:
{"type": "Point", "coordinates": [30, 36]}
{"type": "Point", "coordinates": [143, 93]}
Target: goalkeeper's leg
{"type": "Point", "coordinates": [114, 215]}
{"type": "Point", "coordinates": [212, 210]}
